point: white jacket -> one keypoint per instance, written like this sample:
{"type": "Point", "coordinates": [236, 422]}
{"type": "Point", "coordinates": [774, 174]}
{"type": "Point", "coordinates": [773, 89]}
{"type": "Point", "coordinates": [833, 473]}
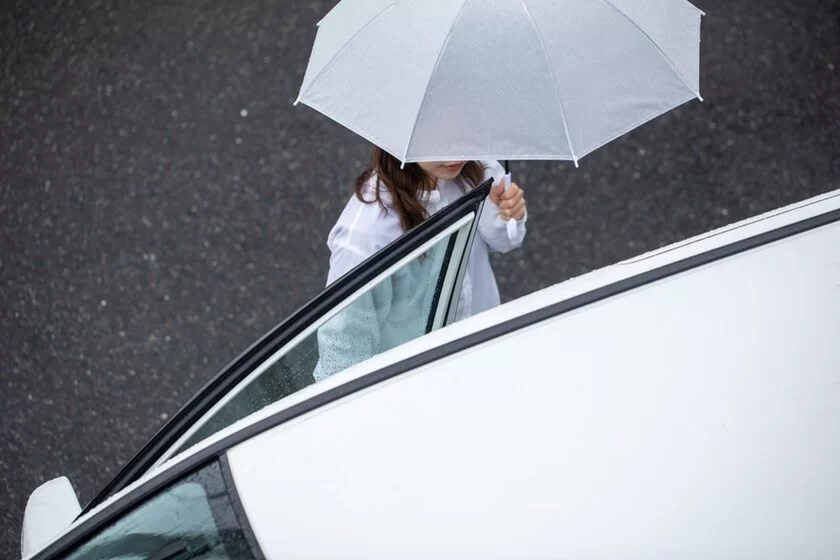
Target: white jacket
{"type": "Point", "coordinates": [396, 311]}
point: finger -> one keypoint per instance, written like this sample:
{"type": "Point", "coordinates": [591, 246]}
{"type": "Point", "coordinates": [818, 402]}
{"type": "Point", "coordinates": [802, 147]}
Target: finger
{"type": "Point", "coordinates": [511, 211]}
{"type": "Point", "coordinates": [496, 193]}
{"type": "Point", "coordinates": [510, 203]}
{"type": "Point", "coordinates": [512, 191]}
{"type": "Point", "coordinates": [516, 210]}
{"type": "Point", "coordinates": [512, 198]}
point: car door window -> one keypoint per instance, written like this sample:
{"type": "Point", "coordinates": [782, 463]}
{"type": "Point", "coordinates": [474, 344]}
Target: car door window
{"type": "Point", "coordinates": [411, 300]}
{"type": "Point", "coordinates": [193, 519]}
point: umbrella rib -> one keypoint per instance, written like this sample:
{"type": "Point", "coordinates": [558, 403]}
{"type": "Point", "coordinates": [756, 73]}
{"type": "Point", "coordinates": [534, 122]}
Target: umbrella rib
{"type": "Point", "coordinates": [432, 75]}
{"type": "Point", "coordinates": [553, 79]}
{"type": "Point", "coordinates": [344, 47]}
{"type": "Point", "coordinates": [656, 46]}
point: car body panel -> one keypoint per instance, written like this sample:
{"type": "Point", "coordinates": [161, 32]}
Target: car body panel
{"type": "Point", "coordinates": [696, 416]}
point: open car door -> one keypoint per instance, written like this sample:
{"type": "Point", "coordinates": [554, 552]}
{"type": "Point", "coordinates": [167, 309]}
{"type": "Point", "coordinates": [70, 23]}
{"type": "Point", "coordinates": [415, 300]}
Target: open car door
{"type": "Point", "coordinates": [329, 334]}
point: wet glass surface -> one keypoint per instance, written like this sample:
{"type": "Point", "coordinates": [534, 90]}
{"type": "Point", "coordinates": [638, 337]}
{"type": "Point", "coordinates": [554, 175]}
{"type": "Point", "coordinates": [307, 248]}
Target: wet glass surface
{"type": "Point", "coordinates": [193, 518]}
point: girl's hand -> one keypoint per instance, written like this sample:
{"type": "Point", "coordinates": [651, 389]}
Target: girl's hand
{"type": "Point", "coordinates": [511, 202]}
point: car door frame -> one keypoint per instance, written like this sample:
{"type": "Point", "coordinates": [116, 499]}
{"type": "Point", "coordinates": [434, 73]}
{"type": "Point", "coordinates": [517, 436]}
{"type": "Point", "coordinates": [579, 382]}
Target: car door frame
{"type": "Point", "coordinates": [459, 235]}
{"type": "Point", "coordinates": [237, 371]}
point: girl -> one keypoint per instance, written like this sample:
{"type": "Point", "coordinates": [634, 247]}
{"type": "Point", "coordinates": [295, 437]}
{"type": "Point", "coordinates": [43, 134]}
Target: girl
{"type": "Point", "coordinates": [389, 201]}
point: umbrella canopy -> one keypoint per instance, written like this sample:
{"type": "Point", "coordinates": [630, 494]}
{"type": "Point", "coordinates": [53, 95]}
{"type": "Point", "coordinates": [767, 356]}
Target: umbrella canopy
{"type": "Point", "coordinates": [439, 80]}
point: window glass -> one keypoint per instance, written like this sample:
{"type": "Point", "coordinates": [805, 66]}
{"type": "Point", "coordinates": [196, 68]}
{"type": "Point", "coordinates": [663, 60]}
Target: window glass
{"type": "Point", "coordinates": [398, 309]}
{"type": "Point", "coordinates": [193, 518]}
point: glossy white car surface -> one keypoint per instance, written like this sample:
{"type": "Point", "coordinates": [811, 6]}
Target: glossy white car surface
{"type": "Point", "coordinates": [682, 404]}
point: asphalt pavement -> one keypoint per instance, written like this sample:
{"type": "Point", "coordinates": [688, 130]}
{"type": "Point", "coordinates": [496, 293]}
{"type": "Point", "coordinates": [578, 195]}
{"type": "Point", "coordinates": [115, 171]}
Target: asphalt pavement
{"type": "Point", "coordinates": [163, 204]}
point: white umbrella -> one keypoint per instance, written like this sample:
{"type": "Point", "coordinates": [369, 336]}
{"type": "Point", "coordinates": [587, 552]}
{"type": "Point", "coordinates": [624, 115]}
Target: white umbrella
{"type": "Point", "coordinates": [439, 80]}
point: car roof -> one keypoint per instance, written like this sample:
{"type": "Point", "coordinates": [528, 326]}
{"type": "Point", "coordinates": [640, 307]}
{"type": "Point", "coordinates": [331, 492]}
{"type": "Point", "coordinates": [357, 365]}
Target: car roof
{"type": "Point", "coordinates": [698, 413]}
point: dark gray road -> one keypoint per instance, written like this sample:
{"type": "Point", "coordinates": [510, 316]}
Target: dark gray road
{"type": "Point", "coordinates": [162, 204]}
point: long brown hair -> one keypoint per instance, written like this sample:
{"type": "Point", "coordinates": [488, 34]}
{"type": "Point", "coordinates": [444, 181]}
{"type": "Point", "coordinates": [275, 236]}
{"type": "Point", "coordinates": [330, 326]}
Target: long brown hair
{"type": "Point", "coordinates": [408, 187]}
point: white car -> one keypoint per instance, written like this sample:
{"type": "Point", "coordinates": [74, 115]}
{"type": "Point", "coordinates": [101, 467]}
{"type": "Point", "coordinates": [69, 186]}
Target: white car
{"type": "Point", "coordinates": [682, 404]}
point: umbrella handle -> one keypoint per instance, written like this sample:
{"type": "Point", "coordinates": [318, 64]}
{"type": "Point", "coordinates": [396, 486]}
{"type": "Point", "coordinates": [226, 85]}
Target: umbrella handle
{"type": "Point", "coordinates": [511, 224]}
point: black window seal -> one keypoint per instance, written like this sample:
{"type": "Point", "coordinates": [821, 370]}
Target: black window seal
{"type": "Point", "coordinates": [450, 247]}
{"type": "Point", "coordinates": [213, 451]}
{"type": "Point", "coordinates": [239, 508]}
{"type": "Point", "coordinates": [282, 334]}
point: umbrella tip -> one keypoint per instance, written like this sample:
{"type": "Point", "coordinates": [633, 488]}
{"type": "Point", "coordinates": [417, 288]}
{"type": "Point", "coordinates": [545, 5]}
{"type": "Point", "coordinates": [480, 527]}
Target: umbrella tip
{"type": "Point", "coordinates": [296, 102]}
{"type": "Point", "coordinates": [576, 163]}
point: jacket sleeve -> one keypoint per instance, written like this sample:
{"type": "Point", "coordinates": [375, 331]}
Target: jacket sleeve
{"type": "Point", "coordinates": [361, 231]}
{"type": "Point", "coordinates": [342, 260]}
{"type": "Point", "coordinates": [491, 227]}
